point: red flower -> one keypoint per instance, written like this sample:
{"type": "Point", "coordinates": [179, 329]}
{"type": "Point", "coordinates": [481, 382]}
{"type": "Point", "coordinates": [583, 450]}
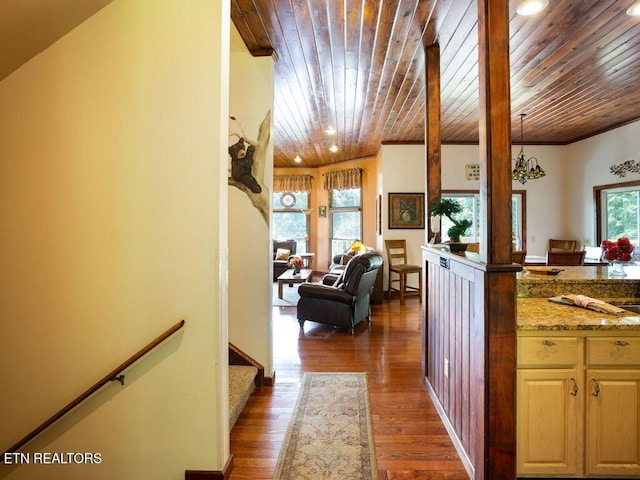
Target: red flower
{"type": "Point", "coordinates": [295, 262]}
{"type": "Point", "coordinates": [619, 250]}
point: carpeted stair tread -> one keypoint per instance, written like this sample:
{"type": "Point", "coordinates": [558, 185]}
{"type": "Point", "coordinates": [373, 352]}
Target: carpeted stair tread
{"type": "Point", "coordinates": [241, 386]}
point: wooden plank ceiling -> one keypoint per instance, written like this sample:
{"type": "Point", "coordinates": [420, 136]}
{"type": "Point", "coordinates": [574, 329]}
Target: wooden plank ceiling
{"type": "Point", "coordinates": [358, 66]}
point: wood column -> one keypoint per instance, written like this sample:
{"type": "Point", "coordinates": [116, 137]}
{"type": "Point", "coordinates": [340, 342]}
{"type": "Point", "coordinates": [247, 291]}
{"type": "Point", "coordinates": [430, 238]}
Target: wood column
{"type": "Point", "coordinates": [432, 132]}
{"type": "Point", "coordinates": [499, 296]}
{"type": "Point", "coordinates": [495, 130]}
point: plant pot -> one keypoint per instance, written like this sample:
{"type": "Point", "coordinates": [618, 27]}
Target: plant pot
{"type": "Point", "coordinates": [455, 247]}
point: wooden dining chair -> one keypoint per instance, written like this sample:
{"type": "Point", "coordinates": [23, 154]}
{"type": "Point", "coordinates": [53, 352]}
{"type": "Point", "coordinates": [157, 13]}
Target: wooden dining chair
{"type": "Point", "coordinates": [473, 247]}
{"type": "Point", "coordinates": [518, 256]}
{"type": "Point", "coordinates": [561, 245]}
{"type": "Point", "coordinates": [397, 256]}
{"type": "Point", "coordinates": [566, 258]}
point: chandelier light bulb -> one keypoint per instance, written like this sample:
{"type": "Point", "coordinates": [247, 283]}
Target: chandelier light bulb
{"type": "Point", "coordinates": [525, 168]}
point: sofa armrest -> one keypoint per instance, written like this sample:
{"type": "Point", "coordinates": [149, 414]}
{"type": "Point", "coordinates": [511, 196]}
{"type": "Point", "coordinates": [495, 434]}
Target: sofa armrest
{"type": "Point", "coordinates": [330, 279]}
{"type": "Point", "coordinates": [325, 292]}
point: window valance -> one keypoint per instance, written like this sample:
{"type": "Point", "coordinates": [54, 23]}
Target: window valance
{"type": "Point", "coordinates": [292, 183]}
{"type": "Point", "coordinates": [343, 179]}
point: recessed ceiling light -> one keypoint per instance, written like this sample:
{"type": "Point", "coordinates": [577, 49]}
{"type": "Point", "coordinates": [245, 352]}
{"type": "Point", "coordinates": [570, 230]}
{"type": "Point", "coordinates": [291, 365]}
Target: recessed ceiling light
{"type": "Point", "coordinates": [531, 7]}
{"type": "Point", "coordinates": [334, 148]}
{"type": "Point", "coordinates": [330, 131]}
{"type": "Point", "coordinates": [634, 10]}
{"type": "Point", "coordinates": [297, 159]}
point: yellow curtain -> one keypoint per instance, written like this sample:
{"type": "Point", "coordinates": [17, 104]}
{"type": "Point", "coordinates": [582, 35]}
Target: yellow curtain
{"type": "Point", "coordinates": [343, 179]}
{"type": "Point", "coordinates": [292, 183]}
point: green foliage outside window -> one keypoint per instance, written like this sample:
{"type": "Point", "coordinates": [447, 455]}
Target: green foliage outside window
{"type": "Point", "coordinates": [290, 223]}
{"type": "Point", "coordinates": [470, 208]}
{"type": "Point", "coordinates": [346, 219]}
{"type": "Point", "coordinates": [622, 215]}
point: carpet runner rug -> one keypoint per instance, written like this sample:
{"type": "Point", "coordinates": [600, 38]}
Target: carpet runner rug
{"type": "Point", "coordinates": [330, 434]}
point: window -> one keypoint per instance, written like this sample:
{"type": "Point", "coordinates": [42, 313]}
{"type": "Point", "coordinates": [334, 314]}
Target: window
{"type": "Point", "coordinates": [289, 220]}
{"type": "Point", "coordinates": [470, 202]}
{"type": "Point", "coordinates": [345, 219]}
{"type": "Point", "coordinates": [619, 213]}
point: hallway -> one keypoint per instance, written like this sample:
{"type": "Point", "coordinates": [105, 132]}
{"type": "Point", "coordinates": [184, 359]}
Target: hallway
{"type": "Point", "coordinates": [411, 442]}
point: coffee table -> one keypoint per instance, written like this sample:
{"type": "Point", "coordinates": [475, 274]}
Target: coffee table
{"type": "Point", "coordinates": [290, 278]}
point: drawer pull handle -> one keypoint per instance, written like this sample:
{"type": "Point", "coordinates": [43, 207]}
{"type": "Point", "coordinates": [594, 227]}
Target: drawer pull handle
{"type": "Point", "coordinates": [596, 390]}
{"type": "Point", "coordinates": [549, 343]}
{"type": "Point", "coordinates": [622, 343]}
{"type": "Point", "coordinates": [575, 387]}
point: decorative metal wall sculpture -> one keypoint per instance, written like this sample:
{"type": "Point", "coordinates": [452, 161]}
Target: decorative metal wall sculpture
{"type": "Point", "coordinates": [630, 166]}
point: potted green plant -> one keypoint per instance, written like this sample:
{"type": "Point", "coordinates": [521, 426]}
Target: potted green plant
{"type": "Point", "coordinates": [451, 208]}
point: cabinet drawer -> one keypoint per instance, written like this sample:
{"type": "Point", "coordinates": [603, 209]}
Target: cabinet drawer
{"type": "Point", "coordinates": [547, 351]}
{"type": "Point", "coordinates": [613, 351]}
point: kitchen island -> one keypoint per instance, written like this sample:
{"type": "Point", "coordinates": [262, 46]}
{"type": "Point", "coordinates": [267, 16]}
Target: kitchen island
{"type": "Point", "coordinates": [578, 376]}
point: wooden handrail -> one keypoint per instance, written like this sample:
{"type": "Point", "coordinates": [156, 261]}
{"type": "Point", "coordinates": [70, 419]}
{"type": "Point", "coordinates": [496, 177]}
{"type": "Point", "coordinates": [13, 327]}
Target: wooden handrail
{"type": "Point", "coordinates": [109, 377]}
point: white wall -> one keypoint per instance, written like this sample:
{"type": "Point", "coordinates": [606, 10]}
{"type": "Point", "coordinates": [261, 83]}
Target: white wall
{"type": "Point", "coordinates": [250, 248]}
{"type": "Point", "coordinates": [588, 163]}
{"type": "Point", "coordinates": [403, 171]}
{"type": "Point", "coordinates": [112, 191]}
{"type": "Point", "coordinates": [545, 196]}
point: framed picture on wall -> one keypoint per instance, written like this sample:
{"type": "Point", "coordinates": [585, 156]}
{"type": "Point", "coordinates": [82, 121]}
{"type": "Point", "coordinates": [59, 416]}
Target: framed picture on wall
{"type": "Point", "coordinates": [406, 210]}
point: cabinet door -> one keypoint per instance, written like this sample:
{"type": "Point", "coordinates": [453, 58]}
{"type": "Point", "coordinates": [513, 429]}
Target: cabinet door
{"type": "Point", "coordinates": [613, 423]}
{"type": "Point", "coordinates": [549, 428]}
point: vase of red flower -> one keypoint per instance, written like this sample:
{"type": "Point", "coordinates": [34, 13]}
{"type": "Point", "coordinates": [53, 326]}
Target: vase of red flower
{"type": "Point", "coordinates": [617, 253]}
{"type": "Point", "coordinates": [296, 264]}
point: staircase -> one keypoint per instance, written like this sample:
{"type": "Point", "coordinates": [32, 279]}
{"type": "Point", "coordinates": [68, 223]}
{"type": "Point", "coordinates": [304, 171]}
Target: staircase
{"type": "Point", "coordinates": [245, 374]}
{"type": "Point", "coordinates": [242, 383]}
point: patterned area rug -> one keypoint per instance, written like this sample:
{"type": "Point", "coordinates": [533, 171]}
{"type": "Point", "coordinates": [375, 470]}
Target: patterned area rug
{"type": "Point", "coordinates": [330, 434]}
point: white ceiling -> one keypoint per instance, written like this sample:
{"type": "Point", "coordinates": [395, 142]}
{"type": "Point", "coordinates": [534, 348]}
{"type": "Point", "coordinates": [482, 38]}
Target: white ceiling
{"type": "Point", "coordinates": [27, 27]}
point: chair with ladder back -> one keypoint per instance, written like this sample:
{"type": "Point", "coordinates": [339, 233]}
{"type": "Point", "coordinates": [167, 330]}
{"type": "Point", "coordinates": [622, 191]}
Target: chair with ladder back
{"type": "Point", "coordinates": [397, 255]}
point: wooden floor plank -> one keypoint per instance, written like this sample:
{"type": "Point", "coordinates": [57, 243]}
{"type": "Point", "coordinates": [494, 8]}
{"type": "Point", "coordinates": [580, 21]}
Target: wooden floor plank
{"type": "Point", "coordinates": [411, 442]}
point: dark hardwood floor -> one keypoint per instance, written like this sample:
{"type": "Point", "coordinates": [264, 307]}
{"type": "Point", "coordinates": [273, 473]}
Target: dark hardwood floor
{"type": "Point", "coordinates": [411, 442]}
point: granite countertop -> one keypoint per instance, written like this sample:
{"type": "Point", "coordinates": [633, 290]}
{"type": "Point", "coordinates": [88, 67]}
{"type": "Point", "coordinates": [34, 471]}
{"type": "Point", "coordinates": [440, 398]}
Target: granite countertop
{"type": "Point", "coordinates": [539, 314]}
{"type": "Point", "coordinates": [591, 281]}
{"type": "Point", "coordinates": [582, 273]}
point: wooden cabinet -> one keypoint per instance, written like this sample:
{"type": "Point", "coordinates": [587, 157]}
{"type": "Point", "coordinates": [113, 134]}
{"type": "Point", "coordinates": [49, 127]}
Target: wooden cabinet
{"type": "Point", "coordinates": [548, 422]}
{"type": "Point", "coordinates": [613, 406]}
{"type": "Point", "coordinates": [578, 406]}
{"type": "Point", "coordinates": [549, 425]}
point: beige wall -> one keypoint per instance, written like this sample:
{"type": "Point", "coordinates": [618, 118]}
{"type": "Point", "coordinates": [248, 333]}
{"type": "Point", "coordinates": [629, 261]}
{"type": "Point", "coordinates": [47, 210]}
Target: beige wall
{"type": "Point", "coordinates": [112, 186]}
{"type": "Point", "coordinates": [250, 263]}
{"type": "Point", "coordinates": [319, 227]}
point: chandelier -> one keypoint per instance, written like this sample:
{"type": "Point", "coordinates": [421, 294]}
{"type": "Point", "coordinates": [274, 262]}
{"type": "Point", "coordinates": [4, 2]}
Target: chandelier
{"type": "Point", "coordinates": [525, 168]}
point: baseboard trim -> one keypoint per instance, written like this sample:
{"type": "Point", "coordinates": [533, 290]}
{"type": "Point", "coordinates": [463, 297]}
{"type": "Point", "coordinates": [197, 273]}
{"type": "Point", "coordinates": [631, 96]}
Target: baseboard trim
{"type": "Point", "coordinates": [457, 443]}
{"type": "Point", "coordinates": [225, 474]}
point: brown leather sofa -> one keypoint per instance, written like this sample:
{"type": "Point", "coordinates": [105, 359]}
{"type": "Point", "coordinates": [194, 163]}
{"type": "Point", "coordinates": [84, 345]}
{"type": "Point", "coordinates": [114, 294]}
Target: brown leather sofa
{"type": "Point", "coordinates": [345, 302]}
{"type": "Point", "coordinates": [280, 266]}
{"type": "Point", "coordinates": [338, 264]}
